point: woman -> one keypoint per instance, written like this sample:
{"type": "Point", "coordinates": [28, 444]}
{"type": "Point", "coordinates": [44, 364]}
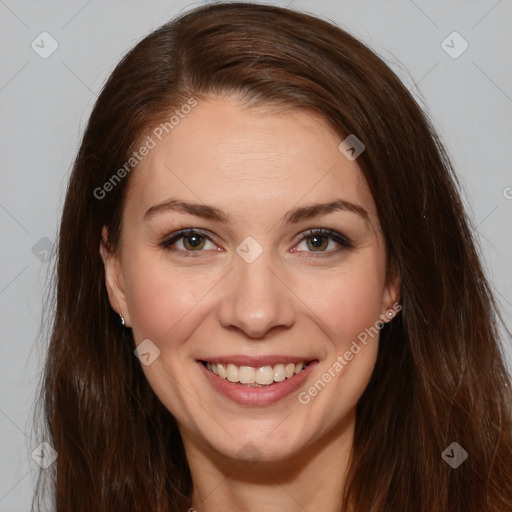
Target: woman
{"type": "Point", "coordinates": [267, 292]}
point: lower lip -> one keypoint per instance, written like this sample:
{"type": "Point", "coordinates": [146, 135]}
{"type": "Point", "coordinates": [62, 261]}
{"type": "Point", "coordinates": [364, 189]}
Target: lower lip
{"type": "Point", "coordinates": [257, 396]}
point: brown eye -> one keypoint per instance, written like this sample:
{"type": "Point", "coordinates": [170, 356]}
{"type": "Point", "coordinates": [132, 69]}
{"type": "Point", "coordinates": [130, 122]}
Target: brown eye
{"type": "Point", "coordinates": [319, 240]}
{"type": "Point", "coordinates": [193, 241]}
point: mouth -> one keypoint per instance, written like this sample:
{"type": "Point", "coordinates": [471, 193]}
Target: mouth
{"type": "Point", "coordinates": [256, 376]}
{"type": "Point", "coordinates": [257, 381]}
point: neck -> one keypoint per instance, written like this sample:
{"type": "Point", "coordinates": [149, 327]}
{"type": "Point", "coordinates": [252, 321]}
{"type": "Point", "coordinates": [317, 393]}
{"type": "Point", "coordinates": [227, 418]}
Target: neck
{"type": "Point", "coordinates": [311, 479]}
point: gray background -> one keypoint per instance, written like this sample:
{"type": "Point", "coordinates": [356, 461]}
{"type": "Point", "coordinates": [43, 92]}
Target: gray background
{"type": "Point", "coordinates": [45, 104]}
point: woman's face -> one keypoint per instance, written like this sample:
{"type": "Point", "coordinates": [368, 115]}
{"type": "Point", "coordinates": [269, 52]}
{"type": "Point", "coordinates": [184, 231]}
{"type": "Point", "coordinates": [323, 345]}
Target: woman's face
{"type": "Point", "coordinates": [245, 289]}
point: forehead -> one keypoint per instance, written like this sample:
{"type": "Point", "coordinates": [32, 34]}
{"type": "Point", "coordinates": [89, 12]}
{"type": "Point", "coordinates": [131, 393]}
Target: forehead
{"type": "Point", "coordinates": [225, 154]}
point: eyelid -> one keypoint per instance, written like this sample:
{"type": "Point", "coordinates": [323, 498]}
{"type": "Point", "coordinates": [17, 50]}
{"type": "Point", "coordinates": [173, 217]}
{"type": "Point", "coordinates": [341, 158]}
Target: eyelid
{"type": "Point", "coordinates": [182, 233]}
{"type": "Point", "coordinates": [334, 235]}
{"type": "Point", "coordinates": [343, 242]}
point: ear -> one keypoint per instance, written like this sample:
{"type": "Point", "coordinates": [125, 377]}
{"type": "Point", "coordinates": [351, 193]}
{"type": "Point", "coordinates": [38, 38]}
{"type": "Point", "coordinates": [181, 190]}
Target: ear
{"type": "Point", "coordinates": [391, 295]}
{"type": "Point", "coordinates": [114, 279]}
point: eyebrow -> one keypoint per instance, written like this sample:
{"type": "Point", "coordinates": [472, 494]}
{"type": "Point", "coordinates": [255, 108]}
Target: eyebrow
{"type": "Point", "coordinates": [293, 216]}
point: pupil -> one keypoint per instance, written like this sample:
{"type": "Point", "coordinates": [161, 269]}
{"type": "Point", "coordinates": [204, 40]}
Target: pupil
{"type": "Point", "coordinates": [316, 240]}
{"type": "Point", "coordinates": [191, 241]}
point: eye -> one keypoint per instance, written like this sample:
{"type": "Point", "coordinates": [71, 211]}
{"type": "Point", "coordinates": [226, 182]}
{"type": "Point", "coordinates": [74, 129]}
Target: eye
{"type": "Point", "coordinates": [318, 240]}
{"type": "Point", "coordinates": [191, 241]}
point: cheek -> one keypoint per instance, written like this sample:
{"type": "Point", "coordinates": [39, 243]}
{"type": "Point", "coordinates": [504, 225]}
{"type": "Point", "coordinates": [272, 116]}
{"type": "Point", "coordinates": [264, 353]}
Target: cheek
{"type": "Point", "coordinates": [350, 306]}
{"type": "Point", "coordinates": [164, 300]}
{"type": "Point", "coordinates": [156, 297]}
{"type": "Point", "coordinates": [349, 300]}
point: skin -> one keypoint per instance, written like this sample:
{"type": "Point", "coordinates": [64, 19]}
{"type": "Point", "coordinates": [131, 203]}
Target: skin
{"type": "Point", "coordinates": [254, 164]}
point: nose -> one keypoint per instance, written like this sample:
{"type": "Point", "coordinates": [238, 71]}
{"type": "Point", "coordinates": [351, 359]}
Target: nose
{"type": "Point", "coordinates": [256, 299]}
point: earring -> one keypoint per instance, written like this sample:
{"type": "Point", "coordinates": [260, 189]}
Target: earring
{"type": "Point", "coordinates": [392, 312]}
{"type": "Point", "coordinates": [122, 320]}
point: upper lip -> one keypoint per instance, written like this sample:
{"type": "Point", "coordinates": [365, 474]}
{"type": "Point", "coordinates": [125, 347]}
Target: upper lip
{"type": "Point", "coordinates": [257, 361]}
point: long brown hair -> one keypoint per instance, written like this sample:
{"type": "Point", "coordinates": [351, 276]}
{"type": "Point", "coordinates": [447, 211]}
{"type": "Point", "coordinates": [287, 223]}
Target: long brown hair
{"type": "Point", "coordinates": [440, 375]}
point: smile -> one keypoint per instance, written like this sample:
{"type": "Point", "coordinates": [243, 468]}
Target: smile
{"type": "Point", "coordinates": [260, 376]}
{"type": "Point", "coordinates": [257, 381]}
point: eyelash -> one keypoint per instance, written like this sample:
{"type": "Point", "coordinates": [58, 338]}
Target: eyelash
{"type": "Point", "coordinates": [340, 239]}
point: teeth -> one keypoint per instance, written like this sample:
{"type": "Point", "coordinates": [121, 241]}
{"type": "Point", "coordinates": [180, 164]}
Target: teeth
{"type": "Point", "coordinates": [221, 371]}
{"type": "Point", "coordinates": [262, 376]}
{"type": "Point", "coordinates": [279, 374]}
{"type": "Point", "coordinates": [265, 375]}
{"type": "Point", "coordinates": [232, 372]}
{"type": "Point", "coordinates": [247, 375]}
{"type": "Point", "coordinates": [289, 371]}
